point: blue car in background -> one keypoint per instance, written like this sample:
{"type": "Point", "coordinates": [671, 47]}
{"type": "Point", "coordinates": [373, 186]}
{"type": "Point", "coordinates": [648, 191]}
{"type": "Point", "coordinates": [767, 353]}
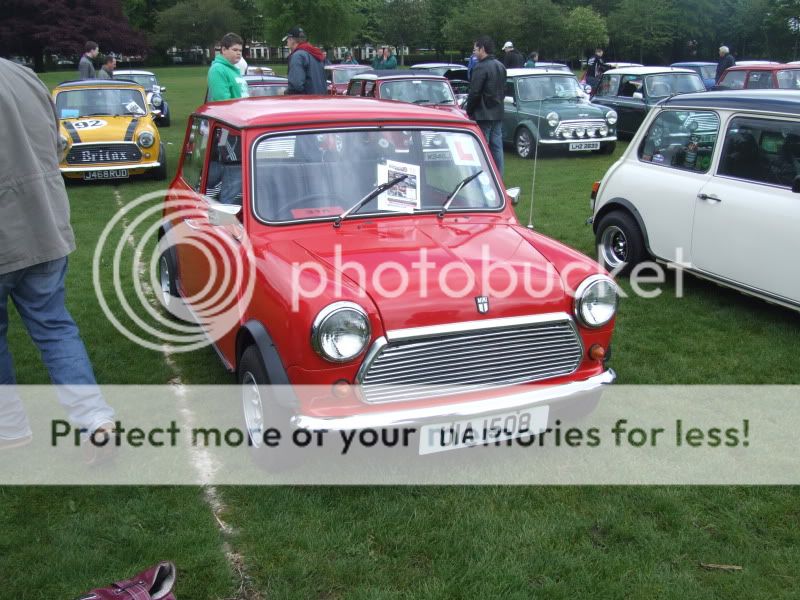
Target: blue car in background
{"type": "Point", "coordinates": [706, 70]}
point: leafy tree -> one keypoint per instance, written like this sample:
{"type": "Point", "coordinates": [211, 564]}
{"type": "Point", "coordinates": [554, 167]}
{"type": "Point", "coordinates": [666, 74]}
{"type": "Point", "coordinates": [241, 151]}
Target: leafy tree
{"type": "Point", "coordinates": [544, 28]}
{"type": "Point", "coordinates": [401, 23]}
{"type": "Point", "coordinates": [142, 14]}
{"type": "Point", "coordinates": [501, 20]}
{"type": "Point", "coordinates": [196, 23]}
{"type": "Point", "coordinates": [31, 27]}
{"type": "Point", "coordinates": [641, 27]}
{"type": "Point", "coordinates": [327, 22]}
{"type": "Point", "coordinates": [584, 29]}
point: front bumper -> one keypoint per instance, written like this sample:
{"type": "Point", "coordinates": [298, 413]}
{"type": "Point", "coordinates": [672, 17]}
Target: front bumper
{"type": "Point", "coordinates": [567, 141]}
{"type": "Point", "coordinates": [87, 168]}
{"type": "Point", "coordinates": [553, 395]}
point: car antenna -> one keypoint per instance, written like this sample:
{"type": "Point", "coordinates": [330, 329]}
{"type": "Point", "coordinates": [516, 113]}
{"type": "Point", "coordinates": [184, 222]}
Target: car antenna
{"type": "Point", "coordinates": [533, 180]}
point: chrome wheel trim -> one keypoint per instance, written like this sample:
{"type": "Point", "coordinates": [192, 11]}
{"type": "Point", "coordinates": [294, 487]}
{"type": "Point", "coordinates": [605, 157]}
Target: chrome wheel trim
{"type": "Point", "coordinates": [524, 143]}
{"type": "Point", "coordinates": [614, 246]}
{"type": "Point", "coordinates": [164, 279]}
{"type": "Point", "coordinates": [253, 409]}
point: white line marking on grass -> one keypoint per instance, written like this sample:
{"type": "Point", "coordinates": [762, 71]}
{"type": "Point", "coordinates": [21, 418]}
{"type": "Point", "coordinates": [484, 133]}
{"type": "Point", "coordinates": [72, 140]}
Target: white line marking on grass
{"type": "Point", "coordinates": [202, 461]}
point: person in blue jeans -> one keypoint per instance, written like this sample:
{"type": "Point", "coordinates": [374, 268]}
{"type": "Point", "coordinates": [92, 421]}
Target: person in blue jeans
{"type": "Point", "coordinates": [35, 239]}
{"type": "Point", "coordinates": [486, 97]}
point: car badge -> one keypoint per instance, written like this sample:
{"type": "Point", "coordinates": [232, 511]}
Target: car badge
{"type": "Point", "coordinates": [482, 302]}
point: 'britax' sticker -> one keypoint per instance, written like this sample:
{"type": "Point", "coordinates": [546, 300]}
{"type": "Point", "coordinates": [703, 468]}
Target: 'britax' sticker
{"type": "Point", "coordinates": [89, 124]}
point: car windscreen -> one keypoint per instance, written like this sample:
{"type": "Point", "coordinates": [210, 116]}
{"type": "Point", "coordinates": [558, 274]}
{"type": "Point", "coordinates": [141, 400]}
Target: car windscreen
{"type": "Point", "coordinates": [260, 91]}
{"type": "Point", "coordinates": [548, 87]}
{"type": "Point", "coordinates": [708, 71]}
{"type": "Point", "coordinates": [345, 75]}
{"type": "Point", "coordinates": [146, 81]}
{"type": "Point", "coordinates": [418, 91]}
{"type": "Point", "coordinates": [789, 79]}
{"type": "Point", "coordinates": [86, 102]}
{"type": "Point", "coordinates": [669, 84]}
{"type": "Point", "coordinates": [321, 175]}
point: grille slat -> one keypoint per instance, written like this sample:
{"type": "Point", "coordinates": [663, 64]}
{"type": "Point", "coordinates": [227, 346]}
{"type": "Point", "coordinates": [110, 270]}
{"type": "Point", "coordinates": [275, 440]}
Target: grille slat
{"type": "Point", "coordinates": [104, 154]}
{"type": "Point", "coordinates": [430, 367]}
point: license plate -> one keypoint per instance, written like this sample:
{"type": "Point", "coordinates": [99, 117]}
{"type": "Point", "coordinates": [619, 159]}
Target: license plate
{"type": "Point", "coordinates": [488, 429]}
{"type": "Point", "coordinates": [112, 174]}
{"type": "Point", "coordinates": [583, 146]}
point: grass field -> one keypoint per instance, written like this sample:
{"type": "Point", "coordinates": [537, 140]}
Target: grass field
{"type": "Point", "coordinates": [437, 542]}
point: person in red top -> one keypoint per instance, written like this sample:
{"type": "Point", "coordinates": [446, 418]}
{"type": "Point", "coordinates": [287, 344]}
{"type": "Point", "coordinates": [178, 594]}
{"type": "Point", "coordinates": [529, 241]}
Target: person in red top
{"type": "Point", "coordinates": [306, 71]}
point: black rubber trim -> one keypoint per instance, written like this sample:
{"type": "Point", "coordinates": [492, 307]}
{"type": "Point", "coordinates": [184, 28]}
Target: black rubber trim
{"type": "Point", "coordinates": [616, 204]}
{"type": "Point", "coordinates": [73, 133]}
{"type": "Point", "coordinates": [284, 396]}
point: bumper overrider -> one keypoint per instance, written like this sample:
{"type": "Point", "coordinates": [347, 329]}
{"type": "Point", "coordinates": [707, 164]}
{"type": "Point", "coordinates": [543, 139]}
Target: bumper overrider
{"type": "Point", "coordinates": [553, 396]}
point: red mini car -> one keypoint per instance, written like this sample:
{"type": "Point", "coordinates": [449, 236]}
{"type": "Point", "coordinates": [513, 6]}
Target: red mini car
{"type": "Point", "coordinates": [369, 248]}
{"type": "Point", "coordinates": [761, 76]}
{"type": "Point", "coordinates": [414, 86]}
{"type": "Point", "coordinates": [339, 75]}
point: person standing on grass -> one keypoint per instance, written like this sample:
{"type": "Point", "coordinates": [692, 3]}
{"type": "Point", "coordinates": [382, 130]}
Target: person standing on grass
{"type": "Point", "coordinates": [35, 239]}
{"type": "Point", "coordinates": [486, 97]}
{"type": "Point", "coordinates": [306, 72]}
{"type": "Point", "coordinates": [726, 61]}
{"type": "Point", "coordinates": [224, 80]}
{"type": "Point", "coordinates": [86, 66]}
{"type": "Point", "coordinates": [107, 70]}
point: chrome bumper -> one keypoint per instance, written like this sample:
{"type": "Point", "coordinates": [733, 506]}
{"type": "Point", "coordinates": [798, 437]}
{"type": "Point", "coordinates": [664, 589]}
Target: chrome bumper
{"type": "Point", "coordinates": [414, 416]}
{"type": "Point", "coordinates": [150, 165]}
{"type": "Point", "coordinates": [563, 141]}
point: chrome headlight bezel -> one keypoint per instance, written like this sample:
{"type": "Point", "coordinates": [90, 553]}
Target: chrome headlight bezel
{"type": "Point", "coordinates": [146, 139]}
{"type": "Point", "coordinates": [156, 101]}
{"type": "Point", "coordinates": [330, 316]}
{"type": "Point", "coordinates": [586, 296]}
{"type": "Point", "coordinates": [611, 117]}
{"type": "Point", "coordinates": [553, 119]}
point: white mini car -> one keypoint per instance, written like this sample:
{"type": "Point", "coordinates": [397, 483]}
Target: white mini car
{"type": "Point", "coordinates": [711, 181]}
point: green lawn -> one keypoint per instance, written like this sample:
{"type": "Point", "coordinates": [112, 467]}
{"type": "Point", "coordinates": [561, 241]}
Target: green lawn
{"type": "Point", "coordinates": [437, 542]}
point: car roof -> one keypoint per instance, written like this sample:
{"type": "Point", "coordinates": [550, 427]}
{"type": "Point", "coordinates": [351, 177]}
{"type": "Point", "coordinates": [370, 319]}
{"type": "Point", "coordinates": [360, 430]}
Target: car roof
{"type": "Point", "coordinates": [433, 65]}
{"type": "Point", "coordinates": [535, 71]}
{"type": "Point", "coordinates": [393, 74]}
{"type": "Point", "coordinates": [304, 110]}
{"type": "Point", "coordinates": [346, 67]}
{"type": "Point", "coordinates": [763, 67]}
{"type": "Point", "coordinates": [76, 83]}
{"type": "Point", "coordinates": [696, 63]}
{"type": "Point", "coordinates": [781, 101]}
{"type": "Point", "coordinates": [648, 70]}
{"type": "Point", "coordinates": [132, 72]}
{"type": "Point", "coordinates": [750, 63]}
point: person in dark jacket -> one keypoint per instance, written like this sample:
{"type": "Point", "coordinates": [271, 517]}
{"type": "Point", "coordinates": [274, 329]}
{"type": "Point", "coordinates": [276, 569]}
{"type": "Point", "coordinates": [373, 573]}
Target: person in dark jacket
{"type": "Point", "coordinates": [513, 58]}
{"type": "Point", "coordinates": [86, 66]}
{"type": "Point", "coordinates": [486, 97]}
{"type": "Point", "coordinates": [726, 61]}
{"type": "Point", "coordinates": [306, 71]}
{"type": "Point", "coordinates": [595, 67]}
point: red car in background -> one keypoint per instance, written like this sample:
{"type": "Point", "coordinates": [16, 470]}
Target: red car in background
{"type": "Point", "coordinates": [338, 77]}
{"type": "Point", "coordinates": [761, 76]}
{"type": "Point", "coordinates": [331, 205]}
{"type": "Point", "coordinates": [417, 87]}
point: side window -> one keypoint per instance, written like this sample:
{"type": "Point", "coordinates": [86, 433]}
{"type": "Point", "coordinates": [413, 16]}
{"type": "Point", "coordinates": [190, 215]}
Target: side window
{"type": "Point", "coordinates": [630, 85]}
{"type": "Point", "coordinates": [761, 150]}
{"type": "Point", "coordinates": [224, 181]}
{"type": "Point", "coordinates": [734, 80]}
{"type": "Point", "coordinates": [759, 80]}
{"type": "Point", "coordinates": [509, 89]}
{"type": "Point", "coordinates": [355, 88]}
{"type": "Point", "coordinates": [369, 89]}
{"type": "Point", "coordinates": [194, 153]}
{"type": "Point", "coordinates": [681, 139]}
{"type": "Point", "coordinates": [609, 85]}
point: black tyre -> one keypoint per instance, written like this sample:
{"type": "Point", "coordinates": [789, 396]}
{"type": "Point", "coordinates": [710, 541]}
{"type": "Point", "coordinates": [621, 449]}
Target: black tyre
{"type": "Point", "coordinates": [524, 142]}
{"type": "Point", "coordinates": [620, 242]}
{"type": "Point", "coordinates": [261, 413]}
{"type": "Point", "coordinates": [608, 147]}
{"type": "Point", "coordinates": [160, 172]}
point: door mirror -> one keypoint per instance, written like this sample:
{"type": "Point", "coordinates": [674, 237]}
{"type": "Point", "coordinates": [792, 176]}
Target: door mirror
{"type": "Point", "coordinates": [796, 185]}
{"type": "Point", "coordinates": [223, 214]}
{"type": "Point", "coordinates": [638, 96]}
{"type": "Point", "coordinates": [163, 88]}
{"type": "Point", "coordinates": [510, 100]}
{"type": "Point", "coordinates": [513, 193]}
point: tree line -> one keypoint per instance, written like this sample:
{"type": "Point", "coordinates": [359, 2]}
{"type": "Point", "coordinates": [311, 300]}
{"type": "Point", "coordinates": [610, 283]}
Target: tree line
{"type": "Point", "coordinates": [635, 30]}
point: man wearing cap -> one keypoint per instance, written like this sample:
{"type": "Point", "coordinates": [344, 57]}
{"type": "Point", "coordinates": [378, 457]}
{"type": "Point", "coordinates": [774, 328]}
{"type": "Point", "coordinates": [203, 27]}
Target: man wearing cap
{"type": "Point", "coordinates": [224, 80]}
{"type": "Point", "coordinates": [306, 72]}
{"type": "Point", "coordinates": [726, 61]}
{"type": "Point", "coordinates": [513, 58]}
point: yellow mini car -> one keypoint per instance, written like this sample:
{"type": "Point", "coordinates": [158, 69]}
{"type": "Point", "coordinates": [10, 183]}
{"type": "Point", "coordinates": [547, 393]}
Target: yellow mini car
{"type": "Point", "coordinates": [107, 131]}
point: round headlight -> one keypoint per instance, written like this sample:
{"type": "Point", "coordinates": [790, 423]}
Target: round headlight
{"type": "Point", "coordinates": [596, 301]}
{"type": "Point", "coordinates": [340, 332]}
{"type": "Point", "coordinates": [580, 131]}
{"type": "Point", "coordinates": [603, 131]}
{"type": "Point", "coordinates": [146, 139]}
{"type": "Point", "coordinates": [611, 117]}
{"type": "Point", "coordinates": [156, 100]}
{"type": "Point", "coordinates": [552, 119]}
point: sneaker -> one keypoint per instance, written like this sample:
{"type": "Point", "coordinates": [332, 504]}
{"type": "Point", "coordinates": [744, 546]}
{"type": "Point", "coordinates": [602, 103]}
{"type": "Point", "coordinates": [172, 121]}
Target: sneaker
{"type": "Point", "coordinates": [16, 442]}
{"type": "Point", "coordinates": [98, 452]}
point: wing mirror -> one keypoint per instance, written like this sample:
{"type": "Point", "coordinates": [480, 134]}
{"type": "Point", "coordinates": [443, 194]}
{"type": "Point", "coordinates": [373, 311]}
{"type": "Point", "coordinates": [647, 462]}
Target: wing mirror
{"type": "Point", "coordinates": [223, 214]}
{"type": "Point", "coordinates": [513, 193]}
{"type": "Point", "coordinates": [163, 88]}
{"type": "Point", "coordinates": [796, 185]}
{"type": "Point", "coordinates": [638, 96]}
{"type": "Point", "coordinates": [509, 100]}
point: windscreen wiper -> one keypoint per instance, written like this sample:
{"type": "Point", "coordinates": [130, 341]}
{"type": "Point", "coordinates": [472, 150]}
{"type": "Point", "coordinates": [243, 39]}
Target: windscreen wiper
{"type": "Point", "coordinates": [457, 189]}
{"type": "Point", "coordinates": [376, 192]}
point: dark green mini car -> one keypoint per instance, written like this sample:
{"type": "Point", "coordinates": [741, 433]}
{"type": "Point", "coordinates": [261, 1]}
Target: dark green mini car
{"type": "Point", "coordinates": [551, 107]}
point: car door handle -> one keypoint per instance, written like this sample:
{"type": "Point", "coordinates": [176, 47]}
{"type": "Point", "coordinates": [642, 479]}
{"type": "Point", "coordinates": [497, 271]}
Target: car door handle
{"type": "Point", "coordinates": [709, 197]}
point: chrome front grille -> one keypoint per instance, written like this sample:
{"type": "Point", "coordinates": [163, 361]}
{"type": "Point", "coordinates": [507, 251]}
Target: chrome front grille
{"type": "Point", "coordinates": [567, 129]}
{"type": "Point", "coordinates": [85, 154]}
{"type": "Point", "coordinates": [429, 366]}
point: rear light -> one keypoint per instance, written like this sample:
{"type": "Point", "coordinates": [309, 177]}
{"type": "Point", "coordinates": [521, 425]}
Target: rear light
{"type": "Point", "coordinates": [595, 189]}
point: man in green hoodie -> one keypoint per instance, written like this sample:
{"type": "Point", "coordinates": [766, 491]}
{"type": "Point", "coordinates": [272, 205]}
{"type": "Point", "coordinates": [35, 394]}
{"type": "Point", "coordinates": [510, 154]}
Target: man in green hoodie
{"type": "Point", "coordinates": [224, 80]}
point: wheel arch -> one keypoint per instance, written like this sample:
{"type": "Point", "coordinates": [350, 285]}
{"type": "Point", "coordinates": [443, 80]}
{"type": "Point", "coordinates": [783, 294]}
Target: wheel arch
{"type": "Point", "coordinates": [166, 226]}
{"type": "Point", "coordinates": [254, 333]}
{"type": "Point", "coordinates": [623, 205]}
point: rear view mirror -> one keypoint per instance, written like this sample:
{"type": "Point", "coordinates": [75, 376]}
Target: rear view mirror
{"type": "Point", "coordinates": [796, 185]}
{"type": "Point", "coordinates": [513, 193]}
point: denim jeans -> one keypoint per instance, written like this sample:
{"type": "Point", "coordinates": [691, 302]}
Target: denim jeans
{"type": "Point", "coordinates": [493, 132]}
{"type": "Point", "coordinates": [38, 294]}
